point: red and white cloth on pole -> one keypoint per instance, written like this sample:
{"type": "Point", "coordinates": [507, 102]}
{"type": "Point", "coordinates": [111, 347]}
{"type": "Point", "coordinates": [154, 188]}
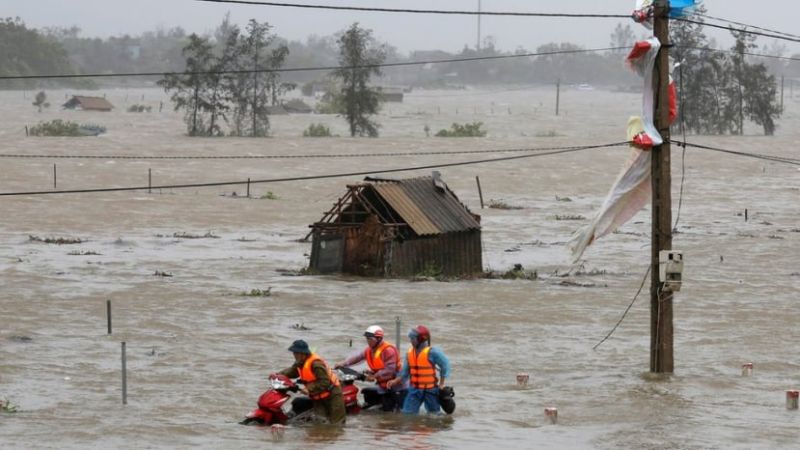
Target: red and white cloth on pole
{"type": "Point", "coordinates": [641, 60]}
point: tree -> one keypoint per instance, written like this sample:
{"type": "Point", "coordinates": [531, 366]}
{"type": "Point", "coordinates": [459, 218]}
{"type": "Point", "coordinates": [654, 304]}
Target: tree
{"type": "Point", "coordinates": [258, 51]}
{"type": "Point", "coordinates": [192, 87]}
{"type": "Point", "coordinates": [622, 37]}
{"type": "Point", "coordinates": [757, 87]}
{"type": "Point", "coordinates": [359, 57]}
{"type": "Point", "coordinates": [41, 101]}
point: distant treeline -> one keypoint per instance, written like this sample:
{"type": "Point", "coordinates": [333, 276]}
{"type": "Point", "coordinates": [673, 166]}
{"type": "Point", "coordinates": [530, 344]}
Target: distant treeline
{"type": "Point", "coordinates": [26, 51]}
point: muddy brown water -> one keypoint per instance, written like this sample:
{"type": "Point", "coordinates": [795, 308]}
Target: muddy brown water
{"type": "Point", "coordinates": [199, 353]}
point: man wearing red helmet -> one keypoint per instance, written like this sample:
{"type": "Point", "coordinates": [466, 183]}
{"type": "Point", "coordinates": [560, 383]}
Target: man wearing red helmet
{"type": "Point", "coordinates": [384, 363]}
{"type": "Point", "coordinates": [419, 369]}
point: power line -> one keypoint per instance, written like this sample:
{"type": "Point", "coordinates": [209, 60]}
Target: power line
{"type": "Point", "coordinates": [779, 159]}
{"type": "Point", "coordinates": [420, 11]}
{"type": "Point", "coordinates": [715, 50]}
{"type": "Point", "coordinates": [723, 27]}
{"type": "Point", "coordinates": [313, 177]}
{"type": "Point", "coordinates": [310, 156]}
{"type": "Point", "coordinates": [719, 19]}
{"type": "Point", "coordinates": [311, 69]}
{"type": "Point", "coordinates": [625, 313]}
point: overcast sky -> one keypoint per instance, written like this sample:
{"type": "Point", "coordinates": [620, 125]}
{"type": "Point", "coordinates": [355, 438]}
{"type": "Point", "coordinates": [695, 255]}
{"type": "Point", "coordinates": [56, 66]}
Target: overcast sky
{"type": "Point", "coordinates": [404, 31]}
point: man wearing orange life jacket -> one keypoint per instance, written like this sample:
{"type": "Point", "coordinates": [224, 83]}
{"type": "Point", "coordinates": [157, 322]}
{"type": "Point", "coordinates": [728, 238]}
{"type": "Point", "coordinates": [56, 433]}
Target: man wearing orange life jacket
{"type": "Point", "coordinates": [384, 363]}
{"type": "Point", "coordinates": [320, 384]}
{"type": "Point", "coordinates": [419, 368]}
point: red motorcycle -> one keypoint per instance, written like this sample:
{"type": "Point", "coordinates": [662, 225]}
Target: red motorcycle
{"type": "Point", "coordinates": [274, 406]}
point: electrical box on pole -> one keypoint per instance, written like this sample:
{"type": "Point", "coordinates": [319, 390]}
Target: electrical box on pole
{"type": "Point", "coordinates": [670, 269]}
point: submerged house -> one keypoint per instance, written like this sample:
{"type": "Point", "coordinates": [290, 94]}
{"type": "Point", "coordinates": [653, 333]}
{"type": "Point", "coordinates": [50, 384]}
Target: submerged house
{"type": "Point", "coordinates": [89, 103]}
{"type": "Point", "coordinates": [396, 228]}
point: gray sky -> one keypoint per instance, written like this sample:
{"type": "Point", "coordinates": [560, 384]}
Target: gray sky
{"type": "Point", "coordinates": [405, 31]}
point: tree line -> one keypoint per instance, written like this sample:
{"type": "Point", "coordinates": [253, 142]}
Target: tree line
{"type": "Point", "coordinates": [231, 80]}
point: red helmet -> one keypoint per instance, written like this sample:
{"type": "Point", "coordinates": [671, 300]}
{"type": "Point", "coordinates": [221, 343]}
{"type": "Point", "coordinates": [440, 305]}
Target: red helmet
{"type": "Point", "coordinates": [423, 333]}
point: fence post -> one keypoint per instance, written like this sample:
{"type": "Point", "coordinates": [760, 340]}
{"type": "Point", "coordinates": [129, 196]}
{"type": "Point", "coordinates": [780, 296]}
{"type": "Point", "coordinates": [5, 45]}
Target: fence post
{"type": "Point", "coordinates": [149, 181]}
{"type": "Point", "coordinates": [124, 377]}
{"type": "Point", "coordinates": [108, 315]}
{"type": "Point", "coordinates": [55, 177]}
{"type": "Point", "coordinates": [480, 193]}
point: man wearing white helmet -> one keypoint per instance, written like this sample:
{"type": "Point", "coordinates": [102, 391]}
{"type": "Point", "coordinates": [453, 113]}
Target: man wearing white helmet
{"type": "Point", "coordinates": [384, 364]}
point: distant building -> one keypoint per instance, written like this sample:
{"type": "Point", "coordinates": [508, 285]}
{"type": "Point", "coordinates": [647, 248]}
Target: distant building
{"type": "Point", "coordinates": [297, 106]}
{"type": "Point", "coordinates": [396, 228]}
{"type": "Point", "coordinates": [88, 103]}
{"type": "Point", "coordinates": [391, 94]}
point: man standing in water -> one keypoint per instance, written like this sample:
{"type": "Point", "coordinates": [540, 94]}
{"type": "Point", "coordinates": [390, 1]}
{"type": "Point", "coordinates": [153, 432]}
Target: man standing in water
{"type": "Point", "coordinates": [320, 384]}
{"type": "Point", "coordinates": [383, 360]}
{"type": "Point", "coordinates": [420, 368]}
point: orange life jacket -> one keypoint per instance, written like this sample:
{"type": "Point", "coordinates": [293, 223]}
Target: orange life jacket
{"type": "Point", "coordinates": [307, 375]}
{"type": "Point", "coordinates": [375, 362]}
{"type": "Point", "coordinates": [423, 373]}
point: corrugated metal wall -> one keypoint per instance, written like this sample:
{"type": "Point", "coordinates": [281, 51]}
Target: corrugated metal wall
{"type": "Point", "coordinates": [453, 253]}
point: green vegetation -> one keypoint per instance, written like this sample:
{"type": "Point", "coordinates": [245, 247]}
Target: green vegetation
{"type": "Point", "coordinates": [257, 293]}
{"type": "Point", "coordinates": [430, 270]}
{"type": "Point", "coordinates": [269, 196]}
{"type": "Point", "coordinates": [55, 240]}
{"type": "Point", "coordinates": [518, 273]}
{"type": "Point", "coordinates": [721, 89]}
{"type": "Point", "coordinates": [499, 204]}
{"type": "Point", "coordinates": [569, 217]}
{"type": "Point", "coordinates": [59, 127]}
{"type": "Point", "coordinates": [26, 51]}
{"type": "Point", "coordinates": [548, 133]}
{"type": "Point", "coordinates": [41, 101]}
{"type": "Point", "coordinates": [240, 99]}
{"type": "Point", "coordinates": [317, 130]}
{"type": "Point", "coordinates": [466, 130]}
{"type": "Point", "coordinates": [7, 407]}
{"type": "Point", "coordinates": [359, 55]}
{"type": "Point", "coordinates": [136, 108]}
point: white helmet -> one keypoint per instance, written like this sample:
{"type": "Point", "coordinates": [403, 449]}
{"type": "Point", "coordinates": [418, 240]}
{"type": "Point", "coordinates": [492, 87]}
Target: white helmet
{"type": "Point", "coordinates": [375, 331]}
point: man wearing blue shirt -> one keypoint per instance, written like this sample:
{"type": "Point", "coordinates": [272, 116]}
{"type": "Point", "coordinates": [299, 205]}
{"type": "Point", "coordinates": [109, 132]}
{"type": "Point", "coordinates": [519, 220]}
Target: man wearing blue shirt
{"type": "Point", "coordinates": [419, 370]}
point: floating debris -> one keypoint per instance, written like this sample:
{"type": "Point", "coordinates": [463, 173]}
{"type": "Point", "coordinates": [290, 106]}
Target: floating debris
{"type": "Point", "coordinates": [159, 273]}
{"type": "Point", "coordinates": [184, 235]}
{"type": "Point", "coordinates": [257, 293]}
{"type": "Point", "coordinates": [244, 239]}
{"type": "Point", "coordinates": [499, 204]}
{"type": "Point", "coordinates": [8, 407]}
{"type": "Point", "coordinates": [83, 253]}
{"type": "Point", "coordinates": [580, 284]}
{"type": "Point", "coordinates": [24, 339]}
{"type": "Point", "coordinates": [563, 199]}
{"type": "Point", "coordinates": [300, 327]}
{"type": "Point", "coordinates": [54, 240]}
{"type": "Point", "coordinates": [569, 217]}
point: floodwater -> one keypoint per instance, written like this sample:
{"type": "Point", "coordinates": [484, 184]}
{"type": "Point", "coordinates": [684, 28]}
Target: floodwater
{"type": "Point", "coordinates": [199, 352]}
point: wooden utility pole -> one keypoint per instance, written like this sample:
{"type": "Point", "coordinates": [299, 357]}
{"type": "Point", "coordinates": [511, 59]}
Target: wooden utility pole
{"type": "Point", "coordinates": [661, 300]}
{"type": "Point", "coordinates": [478, 42]}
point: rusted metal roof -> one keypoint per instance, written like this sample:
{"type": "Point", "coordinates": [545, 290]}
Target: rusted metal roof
{"type": "Point", "coordinates": [89, 103]}
{"type": "Point", "coordinates": [426, 209]}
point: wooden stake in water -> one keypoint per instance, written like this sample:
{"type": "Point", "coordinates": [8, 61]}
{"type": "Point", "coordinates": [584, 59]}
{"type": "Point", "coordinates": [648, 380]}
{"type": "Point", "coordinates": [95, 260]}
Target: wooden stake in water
{"type": "Point", "coordinates": [558, 94]}
{"type": "Point", "coordinates": [248, 190]}
{"type": "Point", "coordinates": [124, 377]}
{"type": "Point", "coordinates": [108, 315]}
{"type": "Point", "coordinates": [149, 181]}
{"type": "Point", "coordinates": [26, 131]}
{"type": "Point", "coordinates": [54, 177]}
{"type": "Point", "coordinates": [480, 193]}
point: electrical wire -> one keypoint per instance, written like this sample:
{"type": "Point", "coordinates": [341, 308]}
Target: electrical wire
{"type": "Point", "coordinates": [419, 11]}
{"type": "Point", "coordinates": [760, 55]}
{"type": "Point", "coordinates": [625, 313]}
{"type": "Point", "coordinates": [310, 69]}
{"type": "Point", "coordinates": [719, 19]}
{"type": "Point", "coordinates": [723, 27]}
{"type": "Point", "coordinates": [310, 156]}
{"type": "Point", "coordinates": [313, 177]}
{"type": "Point", "coordinates": [778, 159]}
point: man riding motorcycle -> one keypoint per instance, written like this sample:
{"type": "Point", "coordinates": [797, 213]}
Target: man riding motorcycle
{"type": "Point", "coordinates": [384, 364]}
